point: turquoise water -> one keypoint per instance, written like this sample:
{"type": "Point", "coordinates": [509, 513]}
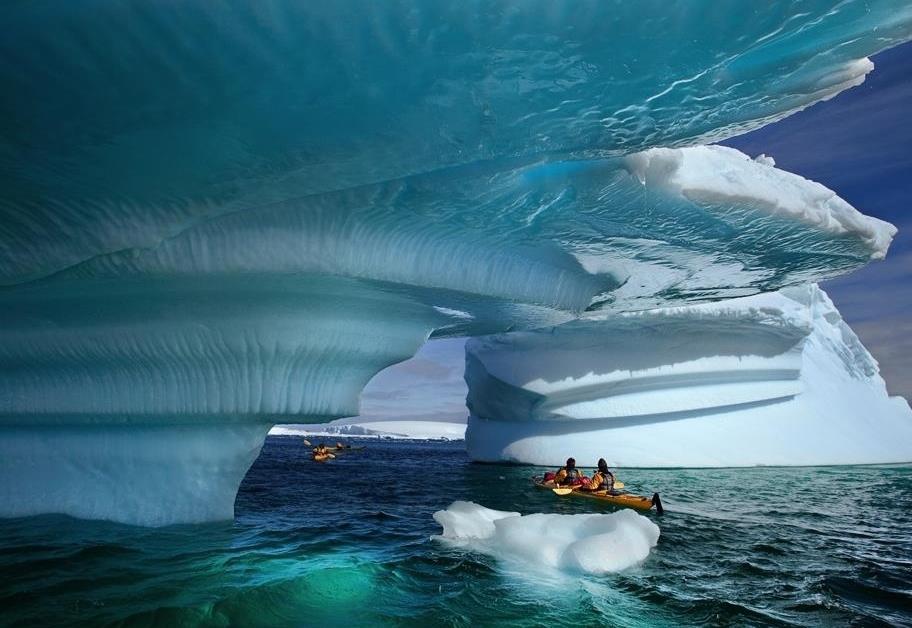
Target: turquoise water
{"type": "Point", "coordinates": [349, 542]}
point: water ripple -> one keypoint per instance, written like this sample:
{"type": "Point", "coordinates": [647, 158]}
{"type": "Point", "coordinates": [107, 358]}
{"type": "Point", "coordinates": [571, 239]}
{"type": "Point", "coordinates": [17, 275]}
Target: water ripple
{"type": "Point", "coordinates": [779, 547]}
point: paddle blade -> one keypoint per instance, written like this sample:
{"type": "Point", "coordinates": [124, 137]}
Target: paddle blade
{"type": "Point", "coordinates": [562, 491]}
{"type": "Point", "coordinates": [618, 485]}
{"type": "Point", "coordinates": [306, 443]}
{"type": "Point", "coordinates": [657, 502]}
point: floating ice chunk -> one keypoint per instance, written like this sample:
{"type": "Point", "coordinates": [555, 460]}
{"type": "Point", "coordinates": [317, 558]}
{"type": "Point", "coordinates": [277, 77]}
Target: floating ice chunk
{"type": "Point", "coordinates": [468, 520]}
{"type": "Point", "coordinates": [586, 543]}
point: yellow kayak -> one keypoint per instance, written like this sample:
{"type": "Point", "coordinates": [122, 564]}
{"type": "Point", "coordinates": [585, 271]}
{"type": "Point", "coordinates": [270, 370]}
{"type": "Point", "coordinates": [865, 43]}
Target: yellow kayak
{"type": "Point", "coordinates": [322, 457]}
{"type": "Point", "coordinates": [623, 500]}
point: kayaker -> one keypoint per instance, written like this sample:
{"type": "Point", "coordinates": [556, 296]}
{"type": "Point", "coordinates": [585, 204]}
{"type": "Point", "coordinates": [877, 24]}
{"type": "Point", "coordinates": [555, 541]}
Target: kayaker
{"type": "Point", "coordinates": [320, 450]}
{"type": "Point", "coordinates": [341, 446]}
{"type": "Point", "coordinates": [602, 479]}
{"type": "Point", "coordinates": [568, 474]}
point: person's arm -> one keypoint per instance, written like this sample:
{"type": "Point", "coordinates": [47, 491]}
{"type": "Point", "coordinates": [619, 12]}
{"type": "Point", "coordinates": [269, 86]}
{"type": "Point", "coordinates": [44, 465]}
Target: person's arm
{"type": "Point", "coordinates": [595, 481]}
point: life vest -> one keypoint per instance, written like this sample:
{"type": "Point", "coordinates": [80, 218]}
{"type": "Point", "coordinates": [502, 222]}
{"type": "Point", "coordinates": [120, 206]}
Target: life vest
{"type": "Point", "coordinates": [606, 481]}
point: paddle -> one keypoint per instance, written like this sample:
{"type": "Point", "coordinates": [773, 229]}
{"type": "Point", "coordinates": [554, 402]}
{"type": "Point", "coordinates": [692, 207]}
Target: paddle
{"type": "Point", "coordinates": [306, 443]}
{"type": "Point", "coordinates": [567, 491]}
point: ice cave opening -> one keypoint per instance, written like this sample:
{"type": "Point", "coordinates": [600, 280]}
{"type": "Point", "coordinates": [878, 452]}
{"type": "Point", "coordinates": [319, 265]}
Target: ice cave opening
{"type": "Point", "coordinates": [216, 217]}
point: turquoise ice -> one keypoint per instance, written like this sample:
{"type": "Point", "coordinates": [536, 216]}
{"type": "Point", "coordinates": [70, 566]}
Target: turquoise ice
{"type": "Point", "coordinates": [219, 216]}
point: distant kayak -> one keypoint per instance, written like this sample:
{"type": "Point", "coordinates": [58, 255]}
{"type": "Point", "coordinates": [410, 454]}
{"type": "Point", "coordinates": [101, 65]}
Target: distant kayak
{"type": "Point", "coordinates": [623, 500]}
{"type": "Point", "coordinates": [323, 457]}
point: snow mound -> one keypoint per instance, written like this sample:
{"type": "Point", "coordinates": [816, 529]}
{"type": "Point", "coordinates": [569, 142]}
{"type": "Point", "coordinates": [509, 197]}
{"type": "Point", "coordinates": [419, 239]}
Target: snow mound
{"type": "Point", "coordinates": [586, 543]}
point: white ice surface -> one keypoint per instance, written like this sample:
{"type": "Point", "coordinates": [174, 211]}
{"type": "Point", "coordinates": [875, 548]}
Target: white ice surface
{"type": "Point", "coordinates": [586, 543]}
{"type": "Point", "coordinates": [774, 379]}
{"type": "Point", "coordinates": [718, 175]}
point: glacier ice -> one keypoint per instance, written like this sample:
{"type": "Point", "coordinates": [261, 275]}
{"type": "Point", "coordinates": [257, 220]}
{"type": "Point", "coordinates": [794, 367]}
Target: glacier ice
{"type": "Point", "coordinates": [289, 311]}
{"type": "Point", "coordinates": [588, 543]}
{"type": "Point", "coordinates": [149, 474]}
{"type": "Point", "coordinates": [232, 214]}
{"type": "Point", "coordinates": [772, 379]}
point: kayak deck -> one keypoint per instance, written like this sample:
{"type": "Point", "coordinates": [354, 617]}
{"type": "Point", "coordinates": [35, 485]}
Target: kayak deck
{"type": "Point", "coordinates": [623, 500]}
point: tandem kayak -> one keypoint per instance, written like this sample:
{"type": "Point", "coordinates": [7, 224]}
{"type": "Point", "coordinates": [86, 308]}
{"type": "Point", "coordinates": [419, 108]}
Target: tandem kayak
{"type": "Point", "coordinates": [622, 500]}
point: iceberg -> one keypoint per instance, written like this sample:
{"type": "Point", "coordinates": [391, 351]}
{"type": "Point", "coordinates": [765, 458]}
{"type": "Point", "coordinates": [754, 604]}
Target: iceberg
{"type": "Point", "coordinates": [773, 379]}
{"type": "Point", "coordinates": [223, 216]}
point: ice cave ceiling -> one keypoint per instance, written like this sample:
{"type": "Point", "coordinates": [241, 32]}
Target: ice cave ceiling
{"type": "Point", "coordinates": [246, 209]}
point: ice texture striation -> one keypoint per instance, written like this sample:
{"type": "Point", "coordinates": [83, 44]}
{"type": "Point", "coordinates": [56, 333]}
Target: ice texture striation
{"type": "Point", "coordinates": [233, 214]}
{"type": "Point", "coordinates": [268, 313]}
{"type": "Point", "coordinates": [149, 474]}
{"type": "Point", "coordinates": [773, 379]}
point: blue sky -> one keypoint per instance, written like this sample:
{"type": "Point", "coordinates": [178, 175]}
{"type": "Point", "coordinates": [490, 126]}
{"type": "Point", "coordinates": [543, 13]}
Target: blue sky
{"type": "Point", "coordinates": [858, 144]}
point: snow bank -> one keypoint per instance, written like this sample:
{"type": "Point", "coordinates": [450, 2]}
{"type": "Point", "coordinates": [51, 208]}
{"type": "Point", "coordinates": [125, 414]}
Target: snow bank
{"type": "Point", "coordinates": [587, 543]}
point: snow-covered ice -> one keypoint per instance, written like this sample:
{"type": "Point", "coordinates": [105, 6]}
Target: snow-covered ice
{"type": "Point", "coordinates": [586, 543]}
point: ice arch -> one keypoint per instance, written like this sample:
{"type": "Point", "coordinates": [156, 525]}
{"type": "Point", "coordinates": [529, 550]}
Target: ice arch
{"type": "Point", "coordinates": [219, 216]}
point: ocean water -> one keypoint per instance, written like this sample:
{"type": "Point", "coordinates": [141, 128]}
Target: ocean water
{"type": "Point", "coordinates": [349, 543]}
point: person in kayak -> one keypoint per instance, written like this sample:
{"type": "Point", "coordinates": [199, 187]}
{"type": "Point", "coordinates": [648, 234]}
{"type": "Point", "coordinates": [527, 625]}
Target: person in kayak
{"type": "Point", "coordinates": [602, 479]}
{"type": "Point", "coordinates": [568, 474]}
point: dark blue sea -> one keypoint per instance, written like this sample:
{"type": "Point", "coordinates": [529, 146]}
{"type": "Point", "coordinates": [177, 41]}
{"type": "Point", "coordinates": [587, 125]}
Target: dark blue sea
{"type": "Point", "coordinates": [348, 543]}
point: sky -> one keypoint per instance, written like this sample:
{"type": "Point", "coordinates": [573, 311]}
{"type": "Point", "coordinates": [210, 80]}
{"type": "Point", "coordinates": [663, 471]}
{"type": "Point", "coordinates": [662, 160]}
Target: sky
{"type": "Point", "coordinates": [858, 144]}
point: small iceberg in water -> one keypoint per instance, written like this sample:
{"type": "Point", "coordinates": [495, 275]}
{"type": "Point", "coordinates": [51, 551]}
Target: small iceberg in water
{"type": "Point", "coordinates": [585, 543]}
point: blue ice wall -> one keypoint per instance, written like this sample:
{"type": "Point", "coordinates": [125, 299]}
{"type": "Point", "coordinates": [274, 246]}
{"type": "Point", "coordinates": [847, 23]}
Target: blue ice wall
{"type": "Point", "coordinates": [217, 214]}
